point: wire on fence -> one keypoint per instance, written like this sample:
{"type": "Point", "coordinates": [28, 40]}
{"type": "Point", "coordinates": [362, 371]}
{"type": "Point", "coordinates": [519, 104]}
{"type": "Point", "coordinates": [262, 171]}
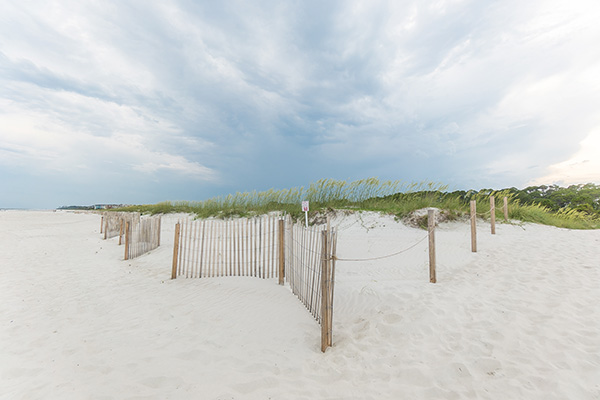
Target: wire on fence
{"type": "Point", "coordinates": [382, 257]}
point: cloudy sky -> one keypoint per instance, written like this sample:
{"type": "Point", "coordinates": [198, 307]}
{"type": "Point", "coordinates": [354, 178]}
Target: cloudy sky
{"type": "Point", "coordinates": [140, 102]}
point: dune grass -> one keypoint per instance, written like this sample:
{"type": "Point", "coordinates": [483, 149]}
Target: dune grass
{"type": "Point", "coordinates": [564, 218]}
{"type": "Point", "coordinates": [390, 197]}
{"type": "Point", "coordinates": [323, 194]}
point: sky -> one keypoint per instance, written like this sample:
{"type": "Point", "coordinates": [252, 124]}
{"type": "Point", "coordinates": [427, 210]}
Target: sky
{"type": "Point", "coordinates": [138, 102]}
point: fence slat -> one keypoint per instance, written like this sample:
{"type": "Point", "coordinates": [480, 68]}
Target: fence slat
{"type": "Point", "coordinates": [239, 253]}
{"type": "Point", "coordinates": [202, 262]}
{"type": "Point", "coordinates": [180, 250]}
{"type": "Point", "coordinates": [280, 251]}
{"type": "Point", "coordinates": [195, 250]}
{"type": "Point", "coordinates": [226, 264]}
{"type": "Point", "coordinates": [333, 257]}
{"type": "Point", "coordinates": [244, 247]}
{"type": "Point", "coordinates": [187, 249]}
{"type": "Point", "coordinates": [215, 250]}
{"type": "Point", "coordinates": [175, 252]}
{"type": "Point", "coordinates": [269, 250]}
{"type": "Point", "coordinates": [121, 231]}
{"type": "Point", "coordinates": [230, 248]}
{"type": "Point", "coordinates": [261, 266]}
{"type": "Point", "coordinates": [159, 230]}
{"type": "Point", "coordinates": [255, 237]}
{"type": "Point", "coordinates": [314, 256]}
{"type": "Point", "coordinates": [473, 226]}
{"type": "Point", "coordinates": [324, 297]}
{"type": "Point", "coordinates": [127, 239]}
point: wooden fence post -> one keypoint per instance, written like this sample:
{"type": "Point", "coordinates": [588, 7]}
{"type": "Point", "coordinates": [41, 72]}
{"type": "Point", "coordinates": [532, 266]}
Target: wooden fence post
{"type": "Point", "coordinates": [101, 224]}
{"type": "Point", "coordinates": [127, 239]}
{"type": "Point", "coordinates": [106, 228]}
{"type": "Point", "coordinates": [473, 226]}
{"type": "Point", "coordinates": [175, 251]}
{"type": "Point", "coordinates": [505, 209]}
{"type": "Point", "coordinates": [493, 213]}
{"type": "Point", "coordinates": [121, 232]}
{"type": "Point", "coordinates": [431, 230]}
{"type": "Point", "coordinates": [159, 225]}
{"type": "Point", "coordinates": [331, 286]}
{"type": "Point", "coordinates": [281, 252]}
{"type": "Point", "coordinates": [324, 294]}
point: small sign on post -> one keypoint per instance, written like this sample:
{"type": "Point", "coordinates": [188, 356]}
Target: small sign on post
{"type": "Point", "coordinates": [305, 209]}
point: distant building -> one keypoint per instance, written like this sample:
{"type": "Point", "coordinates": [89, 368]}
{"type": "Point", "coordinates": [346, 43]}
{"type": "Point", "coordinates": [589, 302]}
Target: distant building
{"type": "Point", "coordinates": [94, 207]}
{"type": "Point", "coordinates": [107, 206]}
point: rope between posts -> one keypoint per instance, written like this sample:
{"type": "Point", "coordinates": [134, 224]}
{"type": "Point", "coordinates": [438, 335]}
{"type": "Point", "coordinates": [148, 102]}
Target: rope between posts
{"type": "Point", "coordinates": [487, 213]}
{"type": "Point", "coordinates": [381, 257]}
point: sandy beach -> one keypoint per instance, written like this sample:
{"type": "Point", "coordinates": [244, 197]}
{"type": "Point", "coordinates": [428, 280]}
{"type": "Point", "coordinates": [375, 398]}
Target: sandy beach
{"type": "Point", "coordinates": [519, 319]}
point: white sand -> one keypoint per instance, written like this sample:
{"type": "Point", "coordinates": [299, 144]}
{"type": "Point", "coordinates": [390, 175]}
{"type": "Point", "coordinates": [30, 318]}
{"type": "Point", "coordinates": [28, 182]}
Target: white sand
{"type": "Point", "coordinates": [518, 320]}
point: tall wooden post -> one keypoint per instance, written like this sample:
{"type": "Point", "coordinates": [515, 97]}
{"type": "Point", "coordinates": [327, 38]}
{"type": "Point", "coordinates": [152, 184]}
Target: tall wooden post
{"type": "Point", "coordinates": [473, 226]}
{"type": "Point", "coordinates": [121, 232]}
{"type": "Point", "coordinates": [158, 233]}
{"type": "Point", "coordinates": [281, 252]}
{"type": "Point", "coordinates": [175, 251]}
{"type": "Point", "coordinates": [505, 209]}
{"type": "Point", "coordinates": [324, 294]}
{"type": "Point", "coordinates": [493, 213]}
{"type": "Point", "coordinates": [105, 228]}
{"type": "Point", "coordinates": [331, 286]}
{"type": "Point", "coordinates": [127, 240]}
{"type": "Point", "coordinates": [431, 230]}
{"type": "Point", "coordinates": [101, 223]}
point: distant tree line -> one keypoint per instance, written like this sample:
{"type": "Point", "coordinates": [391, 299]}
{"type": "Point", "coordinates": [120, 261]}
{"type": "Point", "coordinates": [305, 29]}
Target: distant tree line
{"type": "Point", "coordinates": [582, 197]}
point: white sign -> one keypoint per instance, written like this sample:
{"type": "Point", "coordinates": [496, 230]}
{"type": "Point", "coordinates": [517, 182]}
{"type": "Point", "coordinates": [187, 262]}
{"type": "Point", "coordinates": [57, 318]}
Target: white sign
{"type": "Point", "coordinates": [305, 206]}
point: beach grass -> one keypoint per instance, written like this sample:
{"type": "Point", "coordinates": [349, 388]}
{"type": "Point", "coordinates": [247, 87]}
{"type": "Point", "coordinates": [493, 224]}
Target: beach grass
{"type": "Point", "coordinates": [389, 197]}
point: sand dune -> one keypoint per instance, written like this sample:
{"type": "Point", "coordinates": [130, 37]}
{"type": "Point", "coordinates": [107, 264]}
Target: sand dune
{"type": "Point", "coordinates": [519, 319]}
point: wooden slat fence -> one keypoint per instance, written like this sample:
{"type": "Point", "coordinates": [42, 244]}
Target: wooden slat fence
{"type": "Point", "coordinates": [310, 270]}
{"type": "Point", "coordinates": [237, 247]}
{"type": "Point", "coordinates": [142, 237]}
{"type": "Point", "coordinates": [262, 247]}
{"type": "Point", "coordinates": [114, 223]}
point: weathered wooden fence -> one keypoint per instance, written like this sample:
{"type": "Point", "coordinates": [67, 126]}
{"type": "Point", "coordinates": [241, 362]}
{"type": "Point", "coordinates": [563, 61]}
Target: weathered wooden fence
{"type": "Point", "coordinates": [237, 247]}
{"type": "Point", "coordinates": [141, 237]}
{"type": "Point", "coordinates": [310, 271]}
{"type": "Point", "coordinates": [113, 223]}
{"type": "Point", "coordinates": [263, 247]}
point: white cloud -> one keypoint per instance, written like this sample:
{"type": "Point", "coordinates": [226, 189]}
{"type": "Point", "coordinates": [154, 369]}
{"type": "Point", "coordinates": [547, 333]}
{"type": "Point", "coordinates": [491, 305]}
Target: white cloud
{"type": "Point", "coordinates": [76, 133]}
{"type": "Point", "coordinates": [582, 167]}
